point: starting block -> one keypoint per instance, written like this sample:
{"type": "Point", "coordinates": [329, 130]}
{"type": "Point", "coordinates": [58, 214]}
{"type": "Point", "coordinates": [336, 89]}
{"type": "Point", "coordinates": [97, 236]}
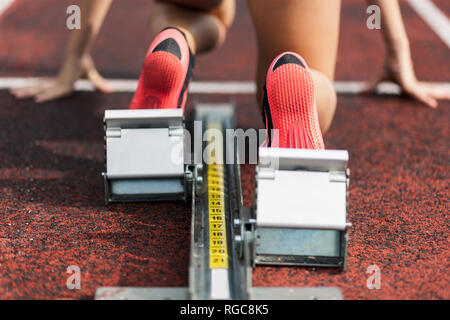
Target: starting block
{"type": "Point", "coordinates": [298, 217]}
{"type": "Point", "coordinates": [141, 158]}
{"type": "Point", "coordinates": [301, 207]}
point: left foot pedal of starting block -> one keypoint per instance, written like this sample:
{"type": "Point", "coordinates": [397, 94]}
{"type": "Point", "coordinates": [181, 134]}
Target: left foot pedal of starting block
{"type": "Point", "coordinates": [144, 155]}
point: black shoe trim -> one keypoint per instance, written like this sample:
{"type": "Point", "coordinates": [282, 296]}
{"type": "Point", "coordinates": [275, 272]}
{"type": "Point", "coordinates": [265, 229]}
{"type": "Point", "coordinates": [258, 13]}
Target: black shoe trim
{"type": "Point", "coordinates": [189, 74]}
{"type": "Point", "coordinates": [268, 116]}
{"type": "Point", "coordinates": [169, 45]}
{"type": "Point", "coordinates": [287, 58]}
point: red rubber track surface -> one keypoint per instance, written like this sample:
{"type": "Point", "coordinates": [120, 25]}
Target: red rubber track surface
{"type": "Point", "coordinates": [52, 213]}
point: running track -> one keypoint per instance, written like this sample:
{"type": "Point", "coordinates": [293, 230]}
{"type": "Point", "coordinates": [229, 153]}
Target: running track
{"type": "Point", "coordinates": [52, 213]}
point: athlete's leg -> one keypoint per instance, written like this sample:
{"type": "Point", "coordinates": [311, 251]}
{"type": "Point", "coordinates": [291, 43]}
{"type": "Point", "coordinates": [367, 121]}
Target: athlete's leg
{"type": "Point", "coordinates": [204, 22]}
{"type": "Point", "coordinates": [307, 27]}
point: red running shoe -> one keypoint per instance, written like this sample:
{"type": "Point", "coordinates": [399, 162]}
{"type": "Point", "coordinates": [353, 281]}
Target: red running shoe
{"type": "Point", "coordinates": [289, 105]}
{"type": "Point", "coordinates": [166, 74]}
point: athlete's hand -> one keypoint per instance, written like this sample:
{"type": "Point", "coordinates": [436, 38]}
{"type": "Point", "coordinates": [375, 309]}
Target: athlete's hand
{"type": "Point", "coordinates": [399, 69]}
{"type": "Point", "coordinates": [64, 83]}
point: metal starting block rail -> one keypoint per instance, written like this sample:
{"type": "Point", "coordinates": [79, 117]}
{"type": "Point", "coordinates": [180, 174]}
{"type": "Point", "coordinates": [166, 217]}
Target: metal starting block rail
{"type": "Point", "coordinates": [298, 217]}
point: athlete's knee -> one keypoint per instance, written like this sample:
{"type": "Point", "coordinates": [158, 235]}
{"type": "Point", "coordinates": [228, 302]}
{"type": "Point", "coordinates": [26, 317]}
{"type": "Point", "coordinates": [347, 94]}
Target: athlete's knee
{"type": "Point", "coordinates": [226, 12]}
{"type": "Point", "coordinates": [224, 16]}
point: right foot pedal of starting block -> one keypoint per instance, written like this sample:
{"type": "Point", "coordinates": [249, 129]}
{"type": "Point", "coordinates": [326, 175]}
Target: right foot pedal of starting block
{"type": "Point", "coordinates": [301, 207]}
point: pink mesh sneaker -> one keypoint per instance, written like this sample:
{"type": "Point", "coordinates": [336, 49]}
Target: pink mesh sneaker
{"type": "Point", "coordinates": [289, 105]}
{"type": "Point", "coordinates": [166, 74]}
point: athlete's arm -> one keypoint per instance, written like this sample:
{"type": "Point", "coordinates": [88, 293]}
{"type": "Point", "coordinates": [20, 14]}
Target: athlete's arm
{"type": "Point", "coordinates": [78, 62]}
{"type": "Point", "coordinates": [399, 66]}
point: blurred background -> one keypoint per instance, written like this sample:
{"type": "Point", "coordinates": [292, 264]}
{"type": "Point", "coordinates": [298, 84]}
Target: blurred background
{"type": "Point", "coordinates": [52, 211]}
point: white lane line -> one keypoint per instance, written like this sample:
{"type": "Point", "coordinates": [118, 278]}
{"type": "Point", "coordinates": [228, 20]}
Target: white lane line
{"type": "Point", "coordinates": [205, 87]}
{"type": "Point", "coordinates": [434, 17]}
{"type": "Point", "coordinates": [4, 4]}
